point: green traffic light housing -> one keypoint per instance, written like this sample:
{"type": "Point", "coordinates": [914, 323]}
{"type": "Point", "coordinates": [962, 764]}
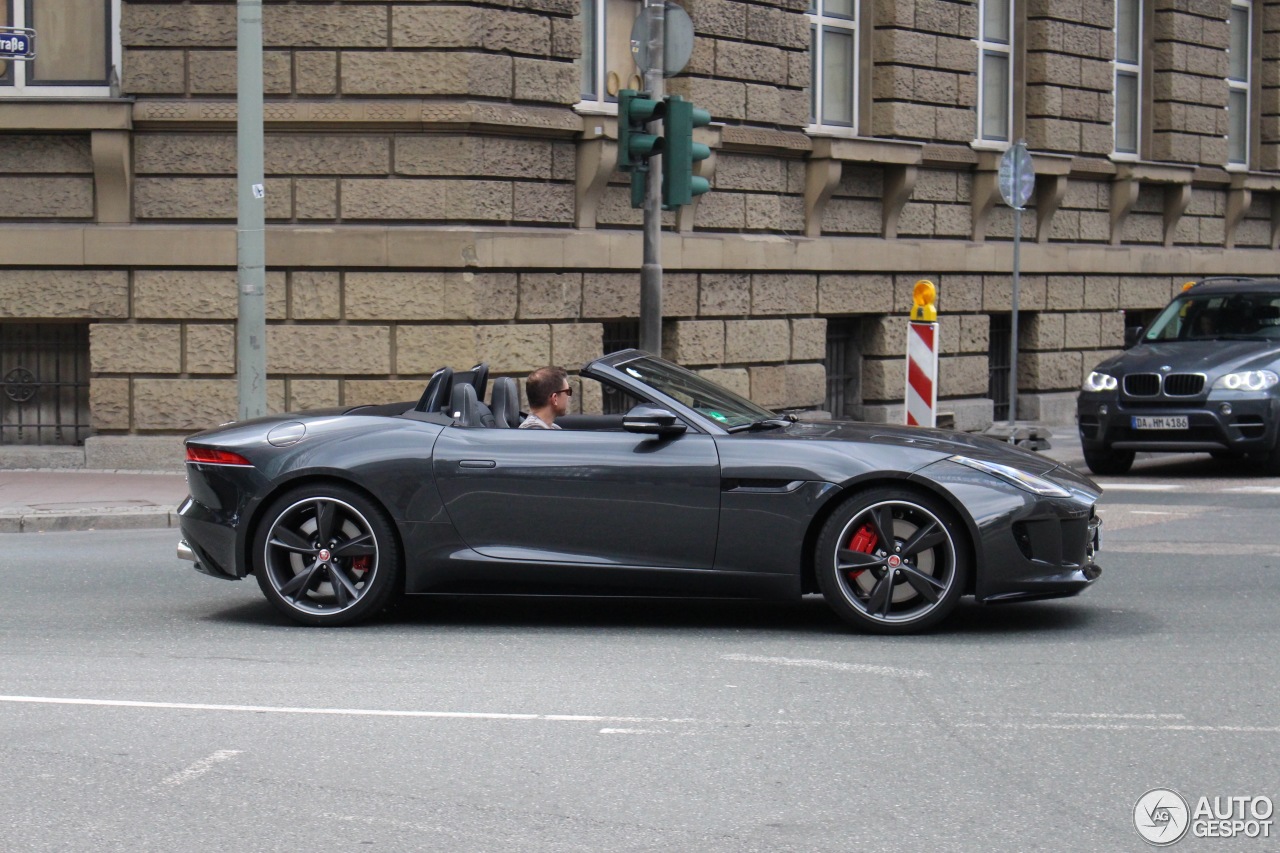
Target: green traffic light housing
{"type": "Point", "coordinates": [635, 144]}
{"type": "Point", "coordinates": [679, 184]}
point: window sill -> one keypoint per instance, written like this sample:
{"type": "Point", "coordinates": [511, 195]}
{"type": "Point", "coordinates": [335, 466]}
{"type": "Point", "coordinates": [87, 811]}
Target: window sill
{"type": "Point", "coordinates": [66, 114]}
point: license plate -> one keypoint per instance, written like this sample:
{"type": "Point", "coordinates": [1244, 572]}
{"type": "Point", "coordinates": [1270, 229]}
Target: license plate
{"type": "Point", "coordinates": [1161, 422]}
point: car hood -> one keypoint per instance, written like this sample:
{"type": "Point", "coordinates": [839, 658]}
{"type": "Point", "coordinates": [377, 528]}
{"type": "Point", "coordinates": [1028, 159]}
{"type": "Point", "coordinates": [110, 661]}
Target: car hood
{"type": "Point", "coordinates": [943, 442]}
{"type": "Point", "coordinates": [1208, 357]}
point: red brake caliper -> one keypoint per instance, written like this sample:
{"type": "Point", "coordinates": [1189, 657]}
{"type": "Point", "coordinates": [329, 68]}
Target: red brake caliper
{"type": "Point", "coordinates": [864, 540]}
{"type": "Point", "coordinates": [361, 564]}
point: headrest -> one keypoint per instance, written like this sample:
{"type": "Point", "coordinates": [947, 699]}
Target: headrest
{"type": "Point", "coordinates": [506, 402]}
{"type": "Point", "coordinates": [462, 406]}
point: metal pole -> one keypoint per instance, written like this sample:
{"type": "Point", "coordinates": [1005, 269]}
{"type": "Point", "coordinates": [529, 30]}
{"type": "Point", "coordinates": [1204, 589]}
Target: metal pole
{"type": "Point", "coordinates": [651, 270]}
{"type": "Point", "coordinates": [1013, 318]}
{"type": "Point", "coordinates": [251, 323]}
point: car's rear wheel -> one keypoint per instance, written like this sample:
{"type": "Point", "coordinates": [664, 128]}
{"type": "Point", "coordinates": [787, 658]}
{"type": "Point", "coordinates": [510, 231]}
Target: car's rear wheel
{"type": "Point", "coordinates": [892, 561]}
{"type": "Point", "coordinates": [1108, 461]}
{"type": "Point", "coordinates": [326, 555]}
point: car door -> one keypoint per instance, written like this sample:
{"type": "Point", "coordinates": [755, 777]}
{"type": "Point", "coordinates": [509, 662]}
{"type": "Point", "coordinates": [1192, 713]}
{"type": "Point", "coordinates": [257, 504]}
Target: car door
{"type": "Point", "coordinates": [582, 496]}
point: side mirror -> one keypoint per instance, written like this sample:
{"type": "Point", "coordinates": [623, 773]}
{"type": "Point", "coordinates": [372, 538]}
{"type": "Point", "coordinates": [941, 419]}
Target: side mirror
{"type": "Point", "coordinates": [650, 420]}
{"type": "Point", "coordinates": [1132, 334]}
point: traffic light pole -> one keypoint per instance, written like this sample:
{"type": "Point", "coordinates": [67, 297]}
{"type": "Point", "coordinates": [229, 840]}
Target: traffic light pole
{"type": "Point", "coordinates": [251, 322]}
{"type": "Point", "coordinates": [651, 270]}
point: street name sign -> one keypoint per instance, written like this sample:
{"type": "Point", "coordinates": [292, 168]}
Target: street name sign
{"type": "Point", "coordinates": [17, 43]}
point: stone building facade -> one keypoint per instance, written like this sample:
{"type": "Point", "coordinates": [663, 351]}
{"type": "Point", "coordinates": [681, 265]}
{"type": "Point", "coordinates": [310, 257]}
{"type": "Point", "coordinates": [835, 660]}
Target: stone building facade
{"type": "Point", "coordinates": [441, 189]}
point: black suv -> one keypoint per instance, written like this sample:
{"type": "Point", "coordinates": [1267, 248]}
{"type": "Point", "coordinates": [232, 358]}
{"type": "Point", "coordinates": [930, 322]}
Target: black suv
{"type": "Point", "coordinates": [1203, 377]}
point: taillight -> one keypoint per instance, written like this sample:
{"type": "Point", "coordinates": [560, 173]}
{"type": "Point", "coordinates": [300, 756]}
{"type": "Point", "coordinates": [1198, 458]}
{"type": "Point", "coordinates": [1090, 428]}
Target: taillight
{"type": "Point", "coordinates": [210, 456]}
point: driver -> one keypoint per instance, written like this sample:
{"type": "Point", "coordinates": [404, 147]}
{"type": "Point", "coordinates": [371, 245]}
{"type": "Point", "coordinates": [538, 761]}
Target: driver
{"type": "Point", "coordinates": [548, 390]}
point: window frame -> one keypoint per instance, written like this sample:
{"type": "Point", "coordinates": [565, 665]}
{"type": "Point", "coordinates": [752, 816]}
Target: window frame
{"type": "Point", "coordinates": [14, 85]}
{"type": "Point", "coordinates": [820, 21]}
{"type": "Point", "coordinates": [1131, 69]}
{"type": "Point", "coordinates": [988, 46]}
{"type": "Point", "coordinates": [1243, 85]}
{"type": "Point", "coordinates": [603, 103]}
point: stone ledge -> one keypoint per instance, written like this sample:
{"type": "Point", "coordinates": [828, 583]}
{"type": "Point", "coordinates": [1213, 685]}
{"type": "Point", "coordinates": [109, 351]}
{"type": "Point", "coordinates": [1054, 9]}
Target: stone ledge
{"type": "Point", "coordinates": [403, 247]}
{"type": "Point", "coordinates": [96, 114]}
{"type": "Point", "coordinates": [401, 113]}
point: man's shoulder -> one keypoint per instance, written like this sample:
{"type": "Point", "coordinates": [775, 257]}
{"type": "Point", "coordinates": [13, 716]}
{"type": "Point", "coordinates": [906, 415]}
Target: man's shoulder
{"type": "Point", "coordinates": [535, 422]}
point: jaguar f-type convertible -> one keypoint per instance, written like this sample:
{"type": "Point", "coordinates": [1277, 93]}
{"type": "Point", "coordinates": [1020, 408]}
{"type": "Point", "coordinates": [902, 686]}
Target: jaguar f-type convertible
{"type": "Point", "coordinates": [671, 485]}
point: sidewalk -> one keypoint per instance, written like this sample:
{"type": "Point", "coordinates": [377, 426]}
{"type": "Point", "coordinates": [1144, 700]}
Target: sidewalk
{"type": "Point", "coordinates": [37, 500]}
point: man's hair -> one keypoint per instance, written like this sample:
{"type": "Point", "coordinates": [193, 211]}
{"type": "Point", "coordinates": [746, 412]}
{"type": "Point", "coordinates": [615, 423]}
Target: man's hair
{"type": "Point", "coordinates": [542, 383]}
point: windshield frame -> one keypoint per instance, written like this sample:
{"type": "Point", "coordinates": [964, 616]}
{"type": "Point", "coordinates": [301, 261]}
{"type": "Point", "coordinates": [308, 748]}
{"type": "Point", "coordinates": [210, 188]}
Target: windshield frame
{"type": "Point", "coordinates": [1190, 312]}
{"type": "Point", "coordinates": [743, 410]}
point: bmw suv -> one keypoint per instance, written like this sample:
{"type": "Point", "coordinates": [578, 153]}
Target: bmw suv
{"type": "Point", "coordinates": [1204, 376]}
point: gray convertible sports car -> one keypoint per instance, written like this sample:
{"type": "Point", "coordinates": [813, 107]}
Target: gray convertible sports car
{"type": "Point", "coordinates": [676, 486]}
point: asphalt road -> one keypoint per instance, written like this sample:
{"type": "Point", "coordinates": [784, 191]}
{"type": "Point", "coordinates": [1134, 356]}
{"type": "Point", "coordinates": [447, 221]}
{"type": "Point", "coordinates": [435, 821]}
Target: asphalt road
{"type": "Point", "coordinates": [146, 707]}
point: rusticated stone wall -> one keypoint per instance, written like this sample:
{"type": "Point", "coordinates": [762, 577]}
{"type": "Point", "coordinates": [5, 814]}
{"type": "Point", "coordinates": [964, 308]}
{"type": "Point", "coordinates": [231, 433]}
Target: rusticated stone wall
{"type": "Point", "coordinates": [925, 78]}
{"type": "Point", "coordinates": [1269, 85]}
{"type": "Point", "coordinates": [314, 177]}
{"type": "Point", "coordinates": [1189, 62]}
{"type": "Point", "coordinates": [505, 50]}
{"type": "Point", "coordinates": [163, 350]}
{"type": "Point", "coordinates": [750, 63]}
{"type": "Point", "coordinates": [47, 176]}
{"type": "Point", "coordinates": [1069, 87]}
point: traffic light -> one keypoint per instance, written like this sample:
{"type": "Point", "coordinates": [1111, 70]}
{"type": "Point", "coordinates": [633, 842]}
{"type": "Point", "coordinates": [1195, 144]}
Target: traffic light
{"type": "Point", "coordinates": [679, 184]}
{"type": "Point", "coordinates": [635, 143]}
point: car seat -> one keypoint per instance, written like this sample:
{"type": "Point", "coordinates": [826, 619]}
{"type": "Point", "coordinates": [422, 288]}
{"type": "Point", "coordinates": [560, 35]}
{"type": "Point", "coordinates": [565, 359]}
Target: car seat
{"type": "Point", "coordinates": [463, 406]}
{"type": "Point", "coordinates": [505, 403]}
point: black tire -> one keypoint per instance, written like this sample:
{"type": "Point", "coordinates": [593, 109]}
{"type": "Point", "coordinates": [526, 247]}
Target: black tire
{"type": "Point", "coordinates": [1108, 461]}
{"type": "Point", "coordinates": [909, 586]}
{"type": "Point", "coordinates": [326, 555]}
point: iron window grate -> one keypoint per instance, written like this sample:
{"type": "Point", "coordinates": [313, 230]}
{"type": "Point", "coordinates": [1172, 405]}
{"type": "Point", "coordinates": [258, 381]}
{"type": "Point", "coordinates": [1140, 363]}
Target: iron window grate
{"type": "Point", "coordinates": [44, 383]}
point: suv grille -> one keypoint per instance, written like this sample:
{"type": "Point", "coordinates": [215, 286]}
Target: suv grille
{"type": "Point", "coordinates": [1142, 384]}
{"type": "Point", "coordinates": [1183, 384]}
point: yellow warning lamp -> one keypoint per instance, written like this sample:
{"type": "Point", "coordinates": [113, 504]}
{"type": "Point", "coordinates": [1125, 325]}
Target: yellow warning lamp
{"type": "Point", "coordinates": [923, 298]}
{"type": "Point", "coordinates": [1182, 312]}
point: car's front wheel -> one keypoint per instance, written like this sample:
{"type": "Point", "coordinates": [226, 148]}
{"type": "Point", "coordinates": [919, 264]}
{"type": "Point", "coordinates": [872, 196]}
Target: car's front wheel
{"type": "Point", "coordinates": [326, 555]}
{"type": "Point", "coordinates": [892, 561]}
{"type": "Point", "coordinates": [1108, 461]}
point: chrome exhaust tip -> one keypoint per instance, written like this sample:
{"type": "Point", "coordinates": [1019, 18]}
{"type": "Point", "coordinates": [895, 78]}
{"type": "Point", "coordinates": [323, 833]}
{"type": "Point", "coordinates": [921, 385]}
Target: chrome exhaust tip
{"type": "Point", "coordinates": [185, 552]}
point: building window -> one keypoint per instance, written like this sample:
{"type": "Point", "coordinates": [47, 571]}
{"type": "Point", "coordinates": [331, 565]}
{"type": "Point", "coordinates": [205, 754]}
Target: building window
{"type": "Point", "coordinates": [1238, 100]}
{"type": "Point", "coordinates": [1128, 81]}
{"type": "Point", "coordinates": [77, 48]}
{"type": "Point", "coordinates": [995, 71]}
{"type": "Point", "coordinates": [998, 357]}
{"type": "Point", "coordinates": [607, 65]}
{"type": "Point", "coordinates": [844, 367]}
{"type": "Point", "coordinates": [44, 383]}
{"type": "Point", "coordinates": [833, 101]}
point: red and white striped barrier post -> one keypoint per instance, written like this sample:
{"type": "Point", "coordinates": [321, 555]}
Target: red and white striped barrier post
{"type": "Point", "coordinates": [922, 357]}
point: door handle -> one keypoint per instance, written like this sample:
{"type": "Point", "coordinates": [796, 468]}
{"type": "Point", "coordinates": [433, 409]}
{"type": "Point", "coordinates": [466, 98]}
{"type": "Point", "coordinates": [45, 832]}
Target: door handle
{"type": "Point", "coordinates": [477, 463]}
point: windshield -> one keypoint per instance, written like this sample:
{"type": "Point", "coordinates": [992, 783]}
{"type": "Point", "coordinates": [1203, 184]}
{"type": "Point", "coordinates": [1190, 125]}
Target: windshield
{"type": "Point", "coordinates": [703, 396]}
{"type": "Point", "coordinates": [1218, 316]}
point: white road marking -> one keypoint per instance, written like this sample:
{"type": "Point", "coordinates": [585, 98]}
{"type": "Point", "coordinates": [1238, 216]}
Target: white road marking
{"type": "Point", "coordinates": [1123, 727]}
{"type": "Point", "coordinates": [631, 732]}
{"type": "Point", "coordinates": [346, 712]}
{"type": "Point", "coordinates": [816, 663]}
{"type": "Point", "coordinates": [199, 768]}
{"type": "Point", "coordinates": [1141, 487]}
{"type": "Point", "coordinates": [1254, 490]}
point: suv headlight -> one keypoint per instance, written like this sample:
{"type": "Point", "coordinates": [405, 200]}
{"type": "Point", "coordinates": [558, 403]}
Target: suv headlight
{"type": "Point", "coordinates": [1015, 476]}
{"type": "Point", "coordinates": [1098, 382]}
{"type": "Point", "coordinates": [1246, 380]}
